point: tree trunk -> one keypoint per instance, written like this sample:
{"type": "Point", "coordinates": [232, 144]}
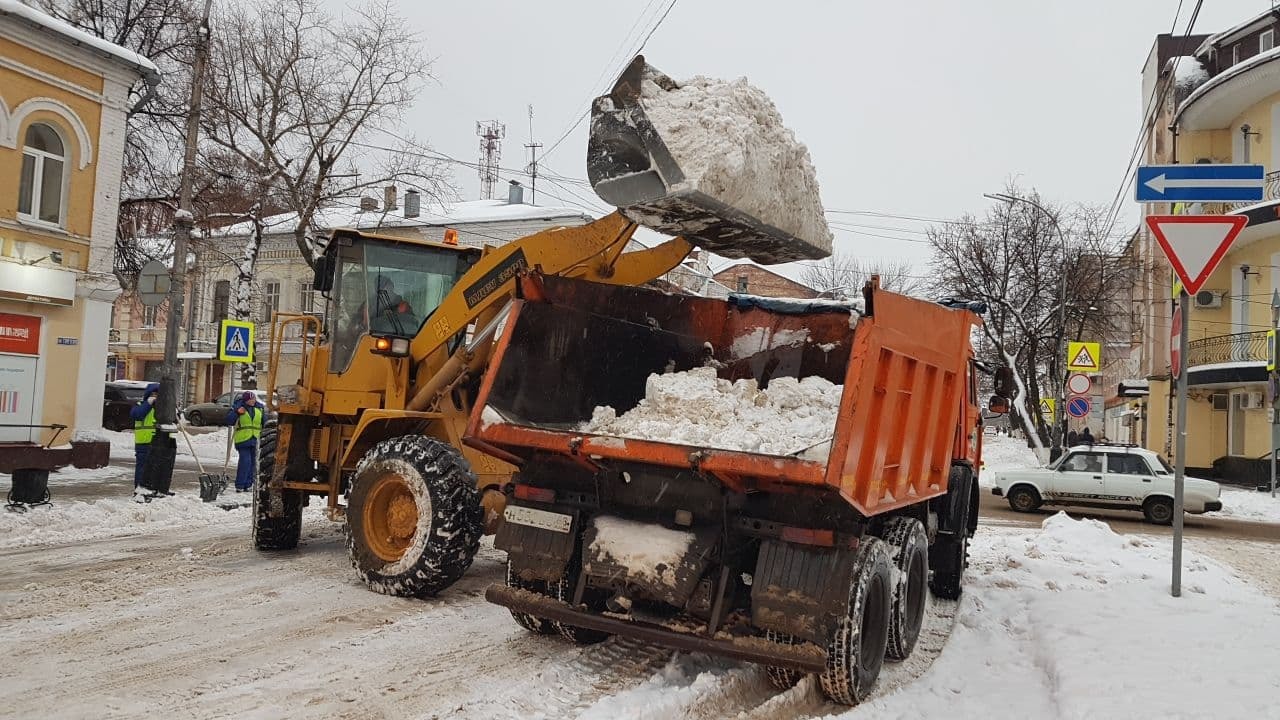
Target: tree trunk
{"type": "Point", "coordinates": [246, 268]}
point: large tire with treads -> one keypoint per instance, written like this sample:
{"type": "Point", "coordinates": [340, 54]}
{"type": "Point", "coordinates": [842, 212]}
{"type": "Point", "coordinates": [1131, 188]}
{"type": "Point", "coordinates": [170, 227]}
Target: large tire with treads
{"type": "Point", "coordinates": [855, 652]}
{"type": "Point", "coordinates": [414, 519]}
{"type": "Point", "coordinates": [949, 555]}
{"type": "Point", "coordinates": [280, 532]}
{"type": "Point", "coordinates": [909, 549]}
{"type": "Point", "coordinates": [532, 623]}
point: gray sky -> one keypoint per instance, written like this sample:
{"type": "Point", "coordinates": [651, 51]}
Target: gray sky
{"type": "Point", "coordinates": [908, 108]}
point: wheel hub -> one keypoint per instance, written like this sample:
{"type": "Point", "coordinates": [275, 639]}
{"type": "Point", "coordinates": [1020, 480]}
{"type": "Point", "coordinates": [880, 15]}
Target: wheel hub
{"type": "Point", "coordinates": [390, 516]}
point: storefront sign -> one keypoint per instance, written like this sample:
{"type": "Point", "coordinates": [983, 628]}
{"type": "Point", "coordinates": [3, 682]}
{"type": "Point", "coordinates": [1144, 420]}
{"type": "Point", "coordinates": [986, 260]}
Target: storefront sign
{"type": "Point", "coordinates": [19, 334]}
{"type": "Point", "coordinates": [28, 283]}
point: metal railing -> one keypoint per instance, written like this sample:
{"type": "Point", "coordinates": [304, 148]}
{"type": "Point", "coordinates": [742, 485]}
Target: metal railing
{"type": "Point", "coordinates": [1271, 183]}
{"type": "Point", "coordinates": [1239, 347]}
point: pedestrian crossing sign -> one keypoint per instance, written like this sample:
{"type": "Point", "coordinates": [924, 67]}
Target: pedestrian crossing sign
{"type": "Point", "coordinates": [235, 341]}
{"type": "Point", "coordinates": [1084, 357]}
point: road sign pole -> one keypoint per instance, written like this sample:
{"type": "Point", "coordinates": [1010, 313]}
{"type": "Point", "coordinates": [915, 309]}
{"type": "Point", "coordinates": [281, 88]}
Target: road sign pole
{"type": "Point", "coordinates": [1273, 351]}
{"type": "Point", "coordinates": [1180, 463]}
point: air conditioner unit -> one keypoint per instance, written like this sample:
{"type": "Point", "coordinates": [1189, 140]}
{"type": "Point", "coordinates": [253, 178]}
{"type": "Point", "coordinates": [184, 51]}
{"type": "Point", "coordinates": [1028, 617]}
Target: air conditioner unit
{"type": "Point", "coordinates": [1220, 400]}
{"type": "Point", "coordinates": [1251, 401]}
{"type": "Point", "coordinates": [1209, 298]}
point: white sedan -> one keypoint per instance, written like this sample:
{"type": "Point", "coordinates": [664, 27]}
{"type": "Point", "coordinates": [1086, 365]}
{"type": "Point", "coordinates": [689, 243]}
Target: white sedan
{"type": "Point", "coordinates": [1107, 476]}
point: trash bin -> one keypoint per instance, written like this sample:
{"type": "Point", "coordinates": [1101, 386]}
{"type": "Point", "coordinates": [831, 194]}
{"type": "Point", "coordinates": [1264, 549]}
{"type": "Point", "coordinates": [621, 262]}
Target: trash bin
{"type": "Point", "coordinates": [30, 487]}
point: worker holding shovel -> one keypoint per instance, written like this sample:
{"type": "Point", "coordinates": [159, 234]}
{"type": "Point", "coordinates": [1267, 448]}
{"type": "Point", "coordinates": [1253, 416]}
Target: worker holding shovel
{"type": "Point", "coordinates": [246, 416]}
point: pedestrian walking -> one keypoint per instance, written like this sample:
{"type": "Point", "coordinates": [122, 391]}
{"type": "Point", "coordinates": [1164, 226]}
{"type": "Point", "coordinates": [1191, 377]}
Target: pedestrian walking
{"type": "Point", "coordinates": [1086, 437]}
{"type": "Point", "coordinates": [1073, 438]}
{"type": "Point", "coordinates": [144, 431]}
{"type": "Point", "coordinates": [246, 417]}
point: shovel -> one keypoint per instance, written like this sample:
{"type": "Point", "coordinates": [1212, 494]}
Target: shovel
{"type": "Point", "coordinates": [210, 484]}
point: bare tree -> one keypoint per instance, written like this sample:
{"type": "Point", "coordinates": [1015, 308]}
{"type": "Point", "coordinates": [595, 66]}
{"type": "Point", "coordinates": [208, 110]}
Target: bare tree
{"type": "Point", "coordinates": [843, 275]}
{"type": "Point", "coordinates": [1013, 259]}
{"type": "Point", "coordinates": [297, 98]}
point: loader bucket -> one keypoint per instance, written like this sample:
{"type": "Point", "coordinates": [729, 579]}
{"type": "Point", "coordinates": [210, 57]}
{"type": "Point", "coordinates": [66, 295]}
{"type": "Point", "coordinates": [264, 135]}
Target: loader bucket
{"type": "Point", "coordinates": [631, 167]}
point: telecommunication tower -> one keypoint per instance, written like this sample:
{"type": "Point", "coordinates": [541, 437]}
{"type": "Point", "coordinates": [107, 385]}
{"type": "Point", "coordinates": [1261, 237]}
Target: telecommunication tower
{"type": "Point", "coordinates": [491, 133]}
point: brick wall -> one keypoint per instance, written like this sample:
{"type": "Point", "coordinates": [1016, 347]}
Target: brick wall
{"type": "Point", "coordinates": [759, 281]}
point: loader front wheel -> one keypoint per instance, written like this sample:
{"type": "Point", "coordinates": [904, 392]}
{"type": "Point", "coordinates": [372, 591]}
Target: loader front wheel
{"type": "Point", "coordinates": [282, 531]}
{"type": "Point", "coordinates": [414, 519]}
{"type": "Point", "coordinates": [855, 652]}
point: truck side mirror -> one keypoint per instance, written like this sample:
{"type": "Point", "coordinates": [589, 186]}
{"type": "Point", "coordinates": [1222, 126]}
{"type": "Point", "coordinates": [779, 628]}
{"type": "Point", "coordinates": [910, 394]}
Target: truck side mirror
{"type": "Point", "coordinates": [1005, 386]}
{"type": "Point", "coordinates": [998, 405]}
{"type": "Point", "coordinates": [323, 281]}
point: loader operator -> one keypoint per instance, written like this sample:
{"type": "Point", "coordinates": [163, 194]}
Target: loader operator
{"type": "Point", "coordinates": [393, 314]}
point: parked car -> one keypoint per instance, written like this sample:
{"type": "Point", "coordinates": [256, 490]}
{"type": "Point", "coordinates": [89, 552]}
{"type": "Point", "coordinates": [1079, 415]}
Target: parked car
{"type": "Point", "coordinates": [118, 398]}
{"type": "Point", "coordinates": [215, 411]}
{"type": "Point", "coordinates": [1107, 476]}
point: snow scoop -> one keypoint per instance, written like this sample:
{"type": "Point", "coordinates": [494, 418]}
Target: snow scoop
{"type": "Point", "coordinates": [632, 166]}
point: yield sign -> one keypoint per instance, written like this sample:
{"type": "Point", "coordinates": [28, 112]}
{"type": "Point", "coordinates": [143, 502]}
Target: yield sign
{"type": "Point", "coordinates": [1195, 244]}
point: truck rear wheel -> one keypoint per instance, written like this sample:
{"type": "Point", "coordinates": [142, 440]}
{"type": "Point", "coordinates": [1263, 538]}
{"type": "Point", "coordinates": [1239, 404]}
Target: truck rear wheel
{"type": "Point", "coordinates": [780, 677]}
{"type": "Point", "coordinates": [856, 650]}
{"type": "Point", "coordinates": [909, 549]}
{"type": "Point", "coordinates": [529, 622]}
{"type": "Point", "coordinates": [563, 591]}
{"type": "Point", "coordinates": [413, 516]}
{"type": "Point", "coordinates": [279, 532]}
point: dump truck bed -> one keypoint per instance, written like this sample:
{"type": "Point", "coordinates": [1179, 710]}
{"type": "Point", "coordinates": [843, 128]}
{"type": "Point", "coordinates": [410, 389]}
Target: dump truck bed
{"type": "Point", "coordinates": [571, 346]}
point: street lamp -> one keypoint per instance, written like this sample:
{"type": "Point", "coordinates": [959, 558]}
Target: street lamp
{"type": "Point", "coordinates": [1060, 418]}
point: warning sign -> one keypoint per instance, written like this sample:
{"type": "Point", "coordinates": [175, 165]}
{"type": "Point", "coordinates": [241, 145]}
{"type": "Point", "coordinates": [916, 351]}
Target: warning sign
{"type": "Point", "coordinates": [235, 341]}
{"type": "Point", "coordinates": [1047, 407]}
{"type": "Point", "coordinates": [1084, 357]}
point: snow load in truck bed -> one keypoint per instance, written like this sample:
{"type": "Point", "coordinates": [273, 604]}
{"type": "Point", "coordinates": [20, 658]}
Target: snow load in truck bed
{"type": "Point", "coordinates": [694, 407]}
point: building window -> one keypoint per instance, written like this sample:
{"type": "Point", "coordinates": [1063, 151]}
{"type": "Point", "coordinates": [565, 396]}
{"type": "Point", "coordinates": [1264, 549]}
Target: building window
{"type": "Point", "coordinates": [306, 298]}
{"type": "Point", "coordinates": [270, 299]}
{"type": "Point", "coordinates": [742, 283]}
{"type": "Point", "coordinates": [149, 315]}
{"type": "Point", "coordinates": [44, 166]}
{"type": "Point", "coordinates": [221, 296]}
{"type": "Point", "coordinates": [1235, 53]}
{"type": "Point", "coordinates": [1266, 41]}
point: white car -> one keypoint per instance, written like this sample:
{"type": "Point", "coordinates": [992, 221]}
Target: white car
{"type": "Point", "coordinates": [1107, 476]}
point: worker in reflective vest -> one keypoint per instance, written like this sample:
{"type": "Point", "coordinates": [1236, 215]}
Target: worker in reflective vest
{"type": "Point", "coordinates": [144, 430]}
{"type": "Point", "coordinates": [246, 418]}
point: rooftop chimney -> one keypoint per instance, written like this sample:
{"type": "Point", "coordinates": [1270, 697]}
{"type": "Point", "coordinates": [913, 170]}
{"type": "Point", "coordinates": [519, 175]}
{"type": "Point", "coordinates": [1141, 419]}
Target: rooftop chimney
{"type": "Point", "coordinates": [412, 204]}
{"type": "Point", "coordinates": [368, 204]}
{"type": "Point", "coordinates": [515, 193]}
{"type": "Point", "coordinates": [389, 198]}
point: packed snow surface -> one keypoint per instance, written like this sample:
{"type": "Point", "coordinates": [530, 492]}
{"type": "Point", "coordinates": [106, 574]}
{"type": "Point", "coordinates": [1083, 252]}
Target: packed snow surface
{"type": "Point", "coordinates": [76, 521]}
{"type": "Point", "coordinates": [763, 338]}
{"type": "Point", "coordinates": [1250, 505]}
{"type": "Point", "coordinates": [729, 140]}
{"type": "Point", "coordinates": [645, 549]}
{"type": "Point", "coordinates": [694, 407]}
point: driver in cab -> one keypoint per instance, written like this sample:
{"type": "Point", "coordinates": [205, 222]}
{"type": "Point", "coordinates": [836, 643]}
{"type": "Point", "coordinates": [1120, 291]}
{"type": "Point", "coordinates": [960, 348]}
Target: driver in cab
{"type": "Point", "coordinates": [392, 313]}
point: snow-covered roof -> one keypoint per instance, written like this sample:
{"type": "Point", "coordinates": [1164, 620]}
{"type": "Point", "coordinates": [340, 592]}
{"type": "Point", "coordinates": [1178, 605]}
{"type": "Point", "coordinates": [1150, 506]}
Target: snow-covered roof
{"type": "Point", "coordinates": [461, 213]}
{"type": "Point", "coordinates": [39, 19]}
{"type": "Point", "coordinates": [1222, 112]}
{"type": "Point", "coordinates": [1238, 29]}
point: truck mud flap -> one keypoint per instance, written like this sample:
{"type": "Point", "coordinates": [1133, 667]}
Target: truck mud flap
{"type": "Point", "coordinates": [807, 658]}
{"type": "Point", "coordinates": [536, 553]}
{"type": "Point", "coordinates": [800, 591]}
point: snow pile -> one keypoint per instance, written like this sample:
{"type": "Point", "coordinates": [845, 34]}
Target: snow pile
{"type": "Point", "coordinates": [1188, 73]}
{"type": "Point", "coordinates": [762, 338]}
{"type": "Point", "coordinates": [1000, 453]}
{"type": "Point", "coordinates": [78, 522]}
{"type": "Point", "coordinates": [1250, 505]}
{"type": "Point", "coordinates": [729, 140]}
{"type": "Point", "coordinates": [694, 407]}
{"type": "Point", "coordinates": [645, 549]}
{"type": "Point", "coordinates": [210, 444]}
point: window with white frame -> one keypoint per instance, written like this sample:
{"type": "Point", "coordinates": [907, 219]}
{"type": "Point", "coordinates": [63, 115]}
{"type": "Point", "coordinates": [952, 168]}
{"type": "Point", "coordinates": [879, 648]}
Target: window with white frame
{"type": "Point", "coordinates": [270, 299]}
{"type": "Point", "coordinates": [307, 298]}
{"type": "Point", "coordinates": [1266, 41]}
{"type": "Point", "coordinates": [44, 167]}
{"type": "Point", "coordinates": [149, 314]}
{"type": "Point", "coordinates": [1235, 53]}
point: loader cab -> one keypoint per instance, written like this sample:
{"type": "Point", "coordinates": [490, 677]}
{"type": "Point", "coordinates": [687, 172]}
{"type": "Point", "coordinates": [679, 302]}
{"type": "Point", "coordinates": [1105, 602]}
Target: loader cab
{"type": "Point", "coordinates": [384, 286]}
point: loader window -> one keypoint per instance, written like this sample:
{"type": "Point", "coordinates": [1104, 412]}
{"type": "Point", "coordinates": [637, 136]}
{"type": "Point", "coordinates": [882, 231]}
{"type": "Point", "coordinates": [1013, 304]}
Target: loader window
{"type": "Point", "coordinates": [388, 289]}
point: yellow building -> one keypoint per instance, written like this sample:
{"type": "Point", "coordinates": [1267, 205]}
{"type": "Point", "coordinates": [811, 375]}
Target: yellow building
{"type": "Point", "coordinates": [1224, 107]}
{"type": "Point", "coordinates": [64, 99]}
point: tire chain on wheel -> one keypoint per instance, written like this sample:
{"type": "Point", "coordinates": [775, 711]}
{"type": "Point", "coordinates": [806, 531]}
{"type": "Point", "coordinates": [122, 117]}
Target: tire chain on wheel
{"type": "Point", "coordinates": [844, 680]}
{"type": "Point", "coordinates": [563, 591]}
{"type": "Point", "coordinates": [283, 531]}
{"type": "Point", "coordinates": [456, 523]}
{"type": "Point", "coordinates": [906, 539]}
{"type": "Point", "coordinates": [780, 677]}
{"type": "Point", "coordinates": [532, 623]}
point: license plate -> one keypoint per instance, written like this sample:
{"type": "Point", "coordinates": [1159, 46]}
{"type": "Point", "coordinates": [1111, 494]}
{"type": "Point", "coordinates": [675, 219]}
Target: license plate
{"type": "Point", "coordinates": [538, 518]}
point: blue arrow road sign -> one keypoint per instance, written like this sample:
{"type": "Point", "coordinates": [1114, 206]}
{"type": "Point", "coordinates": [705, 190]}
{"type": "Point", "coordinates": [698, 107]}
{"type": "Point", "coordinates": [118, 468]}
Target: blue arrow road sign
{"type": "Point", "coordinates": [1078, 407]}
{"type": "Point", "coordinates": [1199, 183]}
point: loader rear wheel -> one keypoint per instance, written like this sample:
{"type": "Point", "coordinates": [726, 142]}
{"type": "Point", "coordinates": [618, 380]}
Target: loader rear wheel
{"type": "Point", "coordinates": [532, 623]}
{"type": "Point", "coordinates": [856, 650]}
{"type": "Point", "coordinates": [909, 549]}
{"type": "Point", "coordinates": [780, 677]}
{"type": "Point", "coordinates": [279, 532]}
{"type": "Point", "coordinates": [414, 519]}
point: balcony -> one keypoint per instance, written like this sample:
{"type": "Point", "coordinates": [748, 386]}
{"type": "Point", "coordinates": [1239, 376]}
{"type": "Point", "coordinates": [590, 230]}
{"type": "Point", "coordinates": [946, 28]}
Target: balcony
{"type": "Point", "coordinates": [1228, 359]}
{"type": "Point", "coordinates": [1272, 180]}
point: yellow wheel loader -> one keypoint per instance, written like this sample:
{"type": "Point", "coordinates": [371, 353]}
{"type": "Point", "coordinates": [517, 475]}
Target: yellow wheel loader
{"type": "Point", "coordinates": [374, 421]}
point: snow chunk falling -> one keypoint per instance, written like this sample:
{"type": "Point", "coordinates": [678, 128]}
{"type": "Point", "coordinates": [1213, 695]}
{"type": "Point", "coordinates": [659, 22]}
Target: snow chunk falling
{"type": "Point", "coordinates": [645, 549]}
{"type": "Point", "coordinates": [695, 407]}
{"type": "Point", "coordinates": [729, 140]}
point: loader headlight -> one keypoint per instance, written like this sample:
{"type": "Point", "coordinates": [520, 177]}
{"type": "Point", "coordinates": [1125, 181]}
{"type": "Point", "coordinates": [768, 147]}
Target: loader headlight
{"type": "Point", "coordinates": [392, 346]}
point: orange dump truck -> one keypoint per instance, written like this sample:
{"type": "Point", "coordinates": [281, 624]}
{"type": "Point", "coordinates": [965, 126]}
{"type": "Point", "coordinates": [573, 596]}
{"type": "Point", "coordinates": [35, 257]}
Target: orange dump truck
{"type": "Point", "coordinates": [816, 561]}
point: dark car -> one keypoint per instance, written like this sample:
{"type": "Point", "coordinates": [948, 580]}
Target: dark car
{"type": "Point", "coordinates": [215, 411]}
{"type": "Point", "coordinates": [118, 398]}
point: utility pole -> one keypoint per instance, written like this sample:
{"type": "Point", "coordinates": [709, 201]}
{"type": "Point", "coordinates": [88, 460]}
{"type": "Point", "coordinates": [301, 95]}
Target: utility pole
{"type": "Point", "coordinates": [533, 163]}
{"type": "Point", "coordinates": [1273, 384]}
{"type": "Point", "coordinates": [167, 402]}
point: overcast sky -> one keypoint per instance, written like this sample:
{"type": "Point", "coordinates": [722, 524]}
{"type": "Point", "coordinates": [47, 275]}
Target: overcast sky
{"type": "Point", "coordinates": [908, 108]}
